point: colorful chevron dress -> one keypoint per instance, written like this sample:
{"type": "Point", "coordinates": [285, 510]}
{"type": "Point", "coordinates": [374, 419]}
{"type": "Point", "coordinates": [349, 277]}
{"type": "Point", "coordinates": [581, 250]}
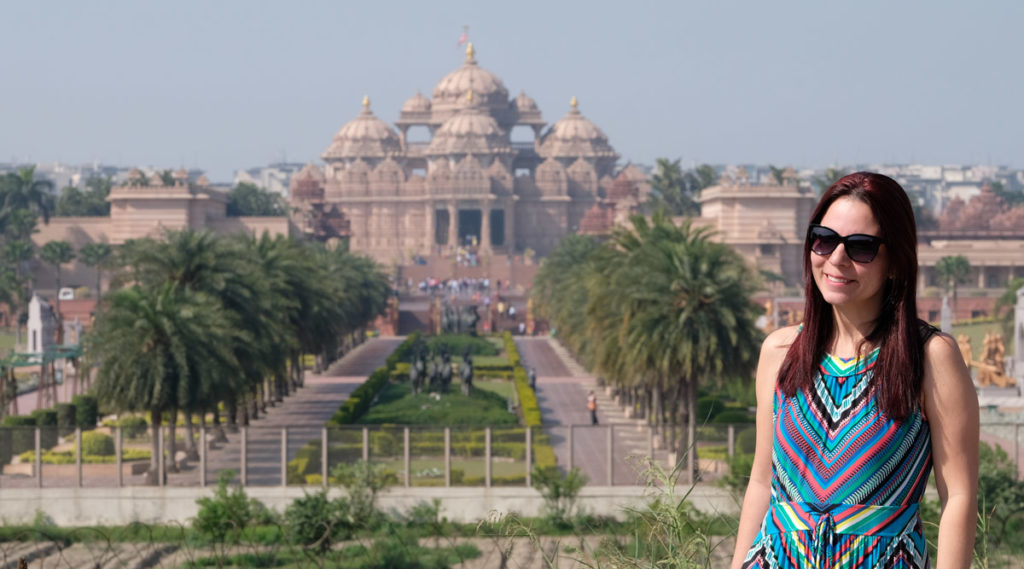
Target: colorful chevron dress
{"type": "Point", "coordinates": [846, 479]}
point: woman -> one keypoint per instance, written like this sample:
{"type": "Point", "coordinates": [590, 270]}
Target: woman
{"type": "Point", "coordinates": [857, 404]}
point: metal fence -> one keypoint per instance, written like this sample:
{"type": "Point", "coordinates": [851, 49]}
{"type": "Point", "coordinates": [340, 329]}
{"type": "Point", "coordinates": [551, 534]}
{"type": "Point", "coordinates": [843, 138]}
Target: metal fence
{"type": "Point", "coordinates": [608, 455]}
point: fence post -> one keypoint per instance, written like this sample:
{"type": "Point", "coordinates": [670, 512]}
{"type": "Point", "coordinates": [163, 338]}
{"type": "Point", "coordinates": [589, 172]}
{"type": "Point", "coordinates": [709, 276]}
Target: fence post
{"type": "Point", "coordinates": [242, 474]}
{"type": "Point", "coordinates": [611, 455]}
{"type": "Point", "coordinates": [323, 457]}
{"type": "Point", "coordinates": [202, 456]}
{"type": "Point", "coordinates": [487, 457]}
{"type": "Point", "coordinates": [650, 444]}
{"type": "Point", "coordinates": [78, 457]}
{"type": "Point", "coordinates": [366, 444]}
{"type": "Point", "coordinates": [1016, 450]}
{"type": "Point", "coordinates": [284, 457]}
{"type": "Point", "coordinates": [447, 457]}
{"type": "Point", "coordinates": [406, 454]}
{"type": "Point", "coordinates": [119, 455]}
{"type": "Point", "coordinates": [39, 458]}
{"type": "Point", "coordinates": [162, 465]}
{"type": "Point", "coordinates": [529, 456]}
{"type": "Point", "coordinates": [571, 428]}
{"type": "Point", "coordinates": [732, 441]}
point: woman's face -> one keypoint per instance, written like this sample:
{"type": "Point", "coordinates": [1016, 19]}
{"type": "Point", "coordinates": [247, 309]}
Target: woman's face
{"type": "Point", "coordinates": [844, 283]}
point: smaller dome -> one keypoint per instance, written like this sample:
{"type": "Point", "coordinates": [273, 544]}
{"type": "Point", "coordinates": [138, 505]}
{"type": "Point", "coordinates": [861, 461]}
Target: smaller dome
{"type": "Point", "coordinates": [417, 104]}
{"type": "Point", "coordinates": [524, 103]}
{"type": "Point", "coordinates": [574, 136]}
{"type": "Point", "coordinates": [203, 181]}
{"type": "Point", "coordinates": [364, 137]}
{"type": "Point", "coordinates": [471, 131]}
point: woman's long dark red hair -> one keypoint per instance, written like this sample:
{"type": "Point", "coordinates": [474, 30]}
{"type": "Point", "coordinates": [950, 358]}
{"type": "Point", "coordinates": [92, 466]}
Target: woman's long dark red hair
{"type": "Point", "coordinates": [898, 372]}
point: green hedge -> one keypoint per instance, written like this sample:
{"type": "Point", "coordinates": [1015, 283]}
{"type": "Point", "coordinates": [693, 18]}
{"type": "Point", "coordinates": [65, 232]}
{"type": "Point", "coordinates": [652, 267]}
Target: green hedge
{"type": "Point", "coordinates": [87, 411]}
{"type": "Point", "coordinates": [68, 457]}
{"type": "Point", "coordinates": [65, 418]}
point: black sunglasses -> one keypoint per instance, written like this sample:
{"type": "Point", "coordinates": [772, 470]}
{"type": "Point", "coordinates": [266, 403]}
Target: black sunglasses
{"type": "Point", "coordinates": [859, 248]}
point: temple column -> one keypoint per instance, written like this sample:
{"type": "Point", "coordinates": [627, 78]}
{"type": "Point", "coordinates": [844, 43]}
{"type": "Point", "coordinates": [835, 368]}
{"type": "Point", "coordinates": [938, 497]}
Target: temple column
{"type": "Point", "coordinates": [430, 225]}
{"type": "Point", "coordinates": [485, 229]}
{"type": "Point", "coordinates": [510, 228]}
{"type": "Point", "coordinates": [453, 226]}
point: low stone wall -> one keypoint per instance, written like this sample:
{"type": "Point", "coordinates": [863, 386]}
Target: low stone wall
{"type": "Point", "coordinates": [116, 506]}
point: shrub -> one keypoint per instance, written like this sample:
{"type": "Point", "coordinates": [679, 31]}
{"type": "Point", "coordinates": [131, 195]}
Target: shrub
{"type": "Point", "coordinates": [224, 516]}
{"type": "Point", "coordinates": [86, 411]}
{"type": "Point", "coordinates": [98, 444]}
{"type": "Point", "coordinates": [456, 344]}
{"type": "Point", "coordinates": [708, 408]}
{"type": "Point", "coordinates": [133, 426]}
{"type": "Point", "coordinates": [22, 433]}
{"type": "Point", "coordinates": [46, 420]}
{"type": "Point", "coordinates": [560, 493]}
{"type": "Point", "coordinates": [65, 418]}
{"type": "Point", "coordinates": [317, 520]}
{"type": "Point", "coordinates": [746, 440]}
{"type": "Point", "coordinates": [733, 416]}
{"type": "Point", "coordinates": [363, 481]}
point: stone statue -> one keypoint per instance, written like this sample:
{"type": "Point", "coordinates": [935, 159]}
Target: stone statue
{"type": "Point", "coordinates": [466, 373]}
{"type": "Point", "coordinates": [417, 373]}
{"type": "Point", "coordinates": [468, 318]}
{"type": "Point", "coordinates": [992, 367]}
{"type": "Point", "coordinates": [964, 341]}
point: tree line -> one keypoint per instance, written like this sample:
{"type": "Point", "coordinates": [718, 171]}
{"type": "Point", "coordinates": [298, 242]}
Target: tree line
{"type": "Point", "coordinates": [197, 323]}
{"type": "Point", "coordinates": [655, 311]}
{"type": "Point", "coordinates": [205, 325]}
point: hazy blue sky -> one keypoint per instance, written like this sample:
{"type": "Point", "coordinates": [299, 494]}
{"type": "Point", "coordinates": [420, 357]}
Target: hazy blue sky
{"type": "Point", "coordinates": [226, 85]}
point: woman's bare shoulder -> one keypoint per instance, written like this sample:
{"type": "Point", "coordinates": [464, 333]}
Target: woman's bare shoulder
{"type": "Point", "coordinates": [781, 339]}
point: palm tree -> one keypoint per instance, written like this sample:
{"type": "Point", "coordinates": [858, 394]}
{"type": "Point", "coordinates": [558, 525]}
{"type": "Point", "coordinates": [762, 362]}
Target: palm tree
{"type": "Point", "coordinates": [20, 191]}
{"type": "Point", "coordinates": [686, 311]}
{"type": "Point", "coordinates": [97, 255]}
{"type": "Point", "coordinates": [154, 345]}
{"type": "Point", "coordinates": [953, 271]}
{"type": "Point", "coordinates": [15, 287]}
{"type": "Point", "coordinates": [57, 253]}
{"type": "Point", "coordinates": [824, 182]}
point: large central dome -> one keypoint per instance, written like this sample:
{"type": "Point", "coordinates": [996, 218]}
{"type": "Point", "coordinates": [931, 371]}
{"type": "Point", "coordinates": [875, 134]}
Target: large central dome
{"type": "Point", "coordinates": [487, 88]}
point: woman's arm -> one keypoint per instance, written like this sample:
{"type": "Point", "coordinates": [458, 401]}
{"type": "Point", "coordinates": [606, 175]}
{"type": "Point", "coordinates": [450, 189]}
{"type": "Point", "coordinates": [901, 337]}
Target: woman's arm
{"type": "Point", "coordinates": [755, 501]}
{"type": "Point", "coordinates": [951, 406]}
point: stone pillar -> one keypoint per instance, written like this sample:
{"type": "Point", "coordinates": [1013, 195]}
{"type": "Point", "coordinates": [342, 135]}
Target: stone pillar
{"type": "Point", "coordinates": [510, 228]}
{"type": "Point", "coordinates": [431, 227]}
{"type": "Point", "coordinates": [485, 229]}
{"type": "Point", "coordinates": [981, 277]}
{"type": "Point", "coordinates": [453, 225]}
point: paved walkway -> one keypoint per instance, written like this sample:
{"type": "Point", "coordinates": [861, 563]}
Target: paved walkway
{"type": "Point", "coordinates": [562, 387]}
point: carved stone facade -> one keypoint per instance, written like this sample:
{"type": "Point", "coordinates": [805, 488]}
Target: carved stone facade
{"type": "Point", "coordinates": [764, 223]}
{"type": "Point", "coordinates": [470, 185]}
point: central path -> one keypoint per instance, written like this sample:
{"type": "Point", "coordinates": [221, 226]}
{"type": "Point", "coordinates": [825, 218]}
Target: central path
{"type": "Point", "coordinates": [562, 388]}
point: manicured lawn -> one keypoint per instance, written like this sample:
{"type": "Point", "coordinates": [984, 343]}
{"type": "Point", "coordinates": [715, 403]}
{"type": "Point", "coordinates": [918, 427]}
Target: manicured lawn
{"type": "Point", "coordinates": [397, 405]}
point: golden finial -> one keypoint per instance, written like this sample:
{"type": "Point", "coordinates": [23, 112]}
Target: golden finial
{"type": "Point", "coordinates": [469, 97]}
{"type": "Point", "coordinates": [573, 102]}
{"type": "Point", "coordinates": [470, 52]}
{"type": "Point", "coordinates": [366, 102]}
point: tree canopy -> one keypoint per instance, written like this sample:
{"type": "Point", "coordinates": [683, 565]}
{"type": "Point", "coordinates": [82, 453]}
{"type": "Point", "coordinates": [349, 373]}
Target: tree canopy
{"type": "Point", "coordinates": [250, 199]}
{"type": "Point", "coordinates": [656, 310]}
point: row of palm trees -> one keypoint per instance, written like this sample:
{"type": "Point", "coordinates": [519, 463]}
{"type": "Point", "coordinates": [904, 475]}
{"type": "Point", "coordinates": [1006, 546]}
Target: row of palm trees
{"type": "Point", "coordinates": [200, 324]}
{"type": "Point", "coordinates": [656, 310]}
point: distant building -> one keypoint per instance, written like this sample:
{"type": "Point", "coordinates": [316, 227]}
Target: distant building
{"type": "Point", "coordinates": [275, 178]}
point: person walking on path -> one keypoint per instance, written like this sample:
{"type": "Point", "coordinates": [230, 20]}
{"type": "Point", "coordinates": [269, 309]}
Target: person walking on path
{"type": "Point", "coordinates": [592, 407]}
